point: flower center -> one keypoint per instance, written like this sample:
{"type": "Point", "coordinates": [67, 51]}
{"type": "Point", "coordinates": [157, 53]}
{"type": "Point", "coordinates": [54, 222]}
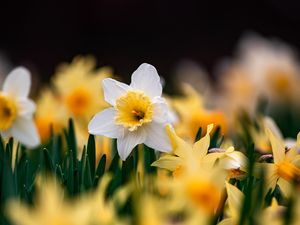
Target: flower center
{"type": "Point", "coordinates": [133, 110]}
{"type": "Point", "coordinates": [279, 80]}
{"type": "Point", "coordinates": [8, 112]}
{"type": "Point", "coordinates": [78, 101]}
{"type": "Point", "coordinates": [288, 171]}
{"type": "Point", "coordinates": [204, 194]}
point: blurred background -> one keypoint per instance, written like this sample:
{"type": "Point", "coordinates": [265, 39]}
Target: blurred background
{"type": "Point", "coordinates": [123, 34]}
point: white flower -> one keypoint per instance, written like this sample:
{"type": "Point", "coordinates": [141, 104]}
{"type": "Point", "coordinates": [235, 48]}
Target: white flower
{"type": "Point", "coordinates": [16, 109]}
{"type": "Point", "coordinates": [138, 114]}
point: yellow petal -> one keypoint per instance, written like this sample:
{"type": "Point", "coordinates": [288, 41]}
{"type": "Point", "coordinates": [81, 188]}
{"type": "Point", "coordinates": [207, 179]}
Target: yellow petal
{"type": "Point", "coordinates": [180, 147]}
{"type": "Point", "coordinates": [168, 162]}
{"type": "Point", "coordinates": [278, 148]}
{"type": "Point", "coordinates": [201, 146]}
{"type": "Point", "coordinates": [235, 200]}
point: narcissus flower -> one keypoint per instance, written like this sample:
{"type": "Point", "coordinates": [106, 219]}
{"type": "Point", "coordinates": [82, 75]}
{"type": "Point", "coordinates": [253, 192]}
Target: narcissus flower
{"type": "Point", "coordinates": [16, 109]}
{"type": "Point", "coordinates": [138, 114]}
{"type": "Point", "coordinates": [285, 169]}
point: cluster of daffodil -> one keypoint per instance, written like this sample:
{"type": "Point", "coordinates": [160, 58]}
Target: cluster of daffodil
{"type": "Point", "coordinates": [133, 155]}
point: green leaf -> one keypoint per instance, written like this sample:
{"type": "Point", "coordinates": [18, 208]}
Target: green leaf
{"type": "Point", "coordinates": [48, 163]}
{"type": "Point", "coordinates": [198, 135]}
{"type": "Point", "coordinates": [100, 170]}
{"type": "Point", "coordinates": [91, 151]}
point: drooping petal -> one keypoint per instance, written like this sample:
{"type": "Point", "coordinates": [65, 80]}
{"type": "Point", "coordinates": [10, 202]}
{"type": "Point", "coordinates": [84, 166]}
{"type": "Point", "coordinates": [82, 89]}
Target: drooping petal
{"type": "Point", "coordinates": [18, 82]}
{"type": "Point", "coordinates": [24, 131]}
{"type": "Point", "coordinates": [26, 107]}
{"type": "Point", "coordinates": [168, 162]}
{"type": "Point", "coordinates": [278, 147]}
{"type": "Point", "coordinates": [201, 146]}
{"type": "Point", "coordinates": [157, 137]}
{"type": "Point", "coordinates": [146, 78]}
{"type": "Point", "coordinates": [103, 123]}
{"type": "Point", "coordinates": [113, 90]}
{"type": "Point", "coordinates": [129, 141]}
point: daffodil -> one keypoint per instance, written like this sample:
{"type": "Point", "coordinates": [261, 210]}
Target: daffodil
{"type": "Point", "coordinates": [285, 169]}
{"type": "Point", "coordinates": [50, 114]}
{"type": "Point", "coordinates": [234, 162]}
{"type": "Point", "coordinates": [235, 200]}
{"type": "Point", "coordinates": [138, 114]}
{"type": "Point", "coordinates": [273, 214]}
{"type": "Point", "coordinates": [77, 84]}
{"type": "Point", "coordinates": [193, 114]}
{"type": "Point", "coordinates": [16, 109]}
{"type": "Point", "coordinates": [51, 207]}
{"type": "Point", "coordinates": [185, 156]}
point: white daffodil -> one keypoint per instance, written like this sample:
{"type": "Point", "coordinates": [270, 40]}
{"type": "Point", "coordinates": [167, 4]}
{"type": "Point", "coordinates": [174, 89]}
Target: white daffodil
{"type": "Point", "coordinates": [138, 114]}
{"type": "Point", "coordinates": [16, 109]}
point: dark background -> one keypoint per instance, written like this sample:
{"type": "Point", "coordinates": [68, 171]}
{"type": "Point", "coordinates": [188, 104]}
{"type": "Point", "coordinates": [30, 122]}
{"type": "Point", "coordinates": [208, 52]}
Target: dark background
{"type": "Point", "coordinates": [123, 34]}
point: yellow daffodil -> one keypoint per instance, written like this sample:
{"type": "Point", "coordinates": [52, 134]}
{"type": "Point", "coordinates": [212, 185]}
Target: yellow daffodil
{"type": "Point", "coordinates": [78, 86]}
{"type": "Point", "coordinates": [235, 200]}
{"type": "Point", "coordinates": [193, 114]}
{"type": "Point", "coordinates": [234, 162]}
{"type": "Point", "coordinates": [50, 208]}
{"type": "Point", "coordinates": [185, 156]}
{"type": "Point", "coordinates": [16, 109]}
{"type": "Point", "coordinates": [273, 214]}
{"type": "Point", "coordinates": [50, 113]}
{"type": "Point", "coordinates": [138, 114]}
{"type": "Point", "coordinates": [198, 191]}
{"type": "Point", "coordinates": [285, 168]}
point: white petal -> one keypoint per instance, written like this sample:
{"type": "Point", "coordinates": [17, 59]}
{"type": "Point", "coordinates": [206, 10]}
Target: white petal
{"type": "Point", "coordinates": [157, 137]}
{"type": "Point", "coordinates": [146, 78]}
{"type": "Point", "coordinates": [24, 131]}
{"type": "Point", "coordinates": [26, 107]}
{"type": "Point", "coordinates": [161, 110]}
{"type": "Point", "coordinates": [18, 82]}
{"type": "Point", "coordinates": [103, 123]}
{"type": "Point", "coordinates": [129, 141]}
{"type": "Point", "coordinates": [113, 90]}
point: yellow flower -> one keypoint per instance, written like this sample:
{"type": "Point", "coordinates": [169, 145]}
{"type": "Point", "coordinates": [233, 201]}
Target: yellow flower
{"type": "Point", "coordinates": [193, 114]}
{"type": "Point", "coordinates": [285, 168]}
{"type": "Point", "coordinates": [235, 200]}
{"type": "Point", "coordinates": [50, 208]}
{"type": "Point", "coordinates": [234, 162]}
{"type": "Point", "coordinates": [185, 156]}
{"type": "Point", "coordinates": [50, 113]}
{"type": "Point", "coordinates": [78, 84]}
{"type": "Point", "coordinates": [273, 214]}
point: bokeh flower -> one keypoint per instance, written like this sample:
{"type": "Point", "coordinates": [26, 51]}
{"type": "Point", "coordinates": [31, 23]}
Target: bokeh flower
{"type": "Point", "coordinates": [16, 109]}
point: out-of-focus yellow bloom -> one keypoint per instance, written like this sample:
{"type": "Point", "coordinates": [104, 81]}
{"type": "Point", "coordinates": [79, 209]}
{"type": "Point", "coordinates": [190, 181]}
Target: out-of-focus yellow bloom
{"type": "Point", "coordinates": [50, 208]}
{"type": "Point", "coordinates": [234, 162]}
{"type": "Point", "coordinates": [193, 114]}
{"type": "Point", "coordinates": [185, 156]}
{"type": "Point", "coordinates": [198, 191]}
{"type": "Point", "coordinates": [235, 200]}
{"type": "Point", "coordinates": [79, 86]}
{"type": "Point", "coordinates": [237, 93]}
{"type": "Point", "coordinates": [285, 168]}
{"type": "Point", "coordinates": [274, 214]}
{"type": "Point", "coordinates": [50, 113]}
{"type": "Point", "coordinates": [101, 210]}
